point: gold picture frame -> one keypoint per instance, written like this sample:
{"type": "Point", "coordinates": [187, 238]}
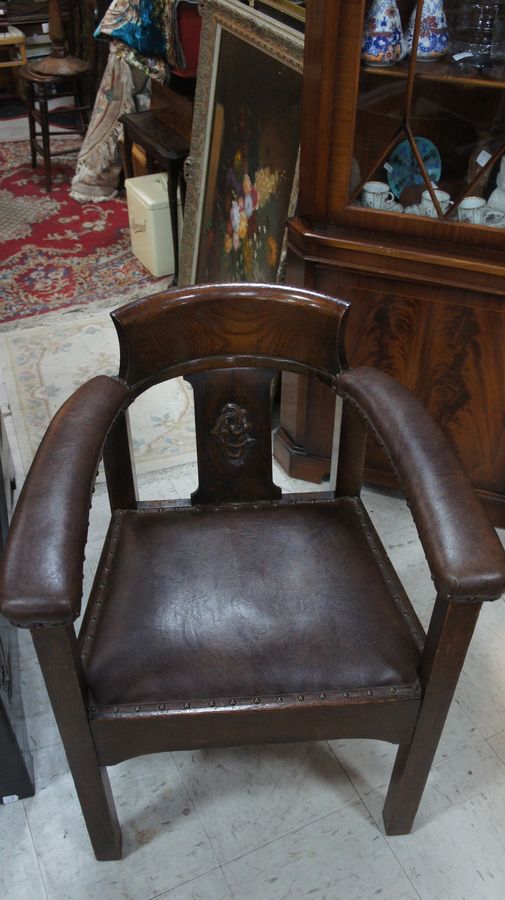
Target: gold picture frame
{"type": "Point", "coordinates": [242, 178]}
{"type": "Point", "coordinates": [285, 8]}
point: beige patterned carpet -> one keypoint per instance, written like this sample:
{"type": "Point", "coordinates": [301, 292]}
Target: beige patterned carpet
{"type": "Point", "coordinates": [43, 364]}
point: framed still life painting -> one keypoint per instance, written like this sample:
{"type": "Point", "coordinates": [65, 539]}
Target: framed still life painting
{"type": "Point", "coordinates": [242, 182]}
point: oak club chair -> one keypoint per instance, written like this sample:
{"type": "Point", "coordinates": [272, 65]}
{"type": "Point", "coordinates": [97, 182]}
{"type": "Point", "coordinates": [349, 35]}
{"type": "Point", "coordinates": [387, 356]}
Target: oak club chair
{"type": "Point", "coordinates": [241, 616]}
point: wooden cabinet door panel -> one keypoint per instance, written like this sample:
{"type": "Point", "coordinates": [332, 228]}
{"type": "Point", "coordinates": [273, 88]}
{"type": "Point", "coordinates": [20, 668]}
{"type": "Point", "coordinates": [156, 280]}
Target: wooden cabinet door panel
{"type": "Point", "coordinates": [447, 350]}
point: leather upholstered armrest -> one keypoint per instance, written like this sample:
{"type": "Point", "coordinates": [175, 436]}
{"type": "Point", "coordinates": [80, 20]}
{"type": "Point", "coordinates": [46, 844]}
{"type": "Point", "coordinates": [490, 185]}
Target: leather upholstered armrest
{"type": "Point", "coordinates": [465, 556]}
{"type": "Point", "coordinates": [42, 564]}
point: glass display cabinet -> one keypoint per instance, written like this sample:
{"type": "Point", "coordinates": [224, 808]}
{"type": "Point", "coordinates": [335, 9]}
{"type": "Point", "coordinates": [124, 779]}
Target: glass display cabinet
{"type": "Point", "coordinates": [429, 120]}
{"type": "Point", "coordinates": [402, 211]}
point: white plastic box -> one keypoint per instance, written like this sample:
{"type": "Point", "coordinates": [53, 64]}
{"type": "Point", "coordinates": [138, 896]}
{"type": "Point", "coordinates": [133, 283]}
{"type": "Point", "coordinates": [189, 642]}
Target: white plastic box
{"type": "Point", "coordinates": [150, 225]}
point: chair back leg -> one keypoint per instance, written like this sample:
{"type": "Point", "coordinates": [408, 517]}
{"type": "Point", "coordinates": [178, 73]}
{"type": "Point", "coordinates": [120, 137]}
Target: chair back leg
{"type": "Point", "coordinates": [30, 103]}
{"type": "Point", "coordinates": [58, 653]}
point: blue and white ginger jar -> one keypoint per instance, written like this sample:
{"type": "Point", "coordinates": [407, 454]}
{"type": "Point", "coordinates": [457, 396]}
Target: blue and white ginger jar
{"type": "Point", "coordinates": [383, 42]}
{"type": "Point", "coordinates": [433, 31]}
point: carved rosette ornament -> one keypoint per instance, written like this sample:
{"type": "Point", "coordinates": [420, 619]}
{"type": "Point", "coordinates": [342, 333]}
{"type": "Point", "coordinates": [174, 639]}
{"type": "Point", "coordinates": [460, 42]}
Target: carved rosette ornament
{"type": "Point", "coordinates": [233, 431]}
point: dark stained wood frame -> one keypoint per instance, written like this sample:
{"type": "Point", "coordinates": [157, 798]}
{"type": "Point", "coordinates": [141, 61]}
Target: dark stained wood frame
{"type": "Point", "coordinates": [201, 333]}
{"type": "Point", "coordinates": [273, 39]}
{"type": "Point", "coordinates": [427, 296]}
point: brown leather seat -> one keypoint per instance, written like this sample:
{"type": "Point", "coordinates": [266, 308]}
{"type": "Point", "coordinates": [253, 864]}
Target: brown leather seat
{"type": "Point", "coordinates": [246, 603]}
{"type": "Point", "coordinates": [239, 615]}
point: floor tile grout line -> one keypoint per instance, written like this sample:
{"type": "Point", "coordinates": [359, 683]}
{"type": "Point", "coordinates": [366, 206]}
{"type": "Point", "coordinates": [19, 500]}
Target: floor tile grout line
{"type": "Point", "coordinates": [232, 895]}
{"type": "Point", "coordinates": [350, 803]}
{"type": "Point", "coordinates": [489, 739]}
{"type": "Point", "coordinates": [355, 801]}
{"type": "Point", "coordinates": [402, 867]}
{"type": "Point", "coordinates": [194, 806]}
{"type": "Point", "coordinates": [386, 839]}
{"type": "Point", "coordinates": [185, 883]}
{"type": "Point", "coordinates": [44, 885]}
{"type": "Point", "coordinates": [457, 700]}
{"type": "Point", "coordinates": [435, 765]}
{"type": "Point", "coordinates": [344, 770]}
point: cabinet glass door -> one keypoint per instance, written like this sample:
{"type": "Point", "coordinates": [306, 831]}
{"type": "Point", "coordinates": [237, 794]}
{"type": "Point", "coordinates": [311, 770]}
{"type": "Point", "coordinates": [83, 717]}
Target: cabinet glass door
{"type": "Point", "coordinates": [429, 134]}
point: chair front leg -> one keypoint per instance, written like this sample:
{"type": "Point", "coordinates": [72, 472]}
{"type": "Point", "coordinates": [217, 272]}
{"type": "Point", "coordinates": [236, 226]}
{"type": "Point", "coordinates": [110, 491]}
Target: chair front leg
{"type": "Point", "coordinates": [44, 125]}
{"type": "Point", "coordinates": [451, 629]}
{"type": "Point", "coordinates": [58, 653]}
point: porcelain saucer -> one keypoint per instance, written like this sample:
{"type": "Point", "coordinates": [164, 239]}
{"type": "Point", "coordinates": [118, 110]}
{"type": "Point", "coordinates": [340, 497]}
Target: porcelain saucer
{"type": "Point", "coordinates": [494, 218]}
{"type": "Point", "coordinates": [418, 210]}
{"type": "Point", "coordinates": [415, 210]}
{"type": "Point", "coordinates": [393, 206]}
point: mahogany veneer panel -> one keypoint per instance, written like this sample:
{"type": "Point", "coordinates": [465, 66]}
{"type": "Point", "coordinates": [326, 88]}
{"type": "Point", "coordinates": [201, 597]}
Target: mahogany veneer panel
{"type": "Point", "coordinates": [415, 321]}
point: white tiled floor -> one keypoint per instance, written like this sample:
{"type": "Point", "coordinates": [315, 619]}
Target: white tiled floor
{"type": "Point", "coordinates": [292, 821]}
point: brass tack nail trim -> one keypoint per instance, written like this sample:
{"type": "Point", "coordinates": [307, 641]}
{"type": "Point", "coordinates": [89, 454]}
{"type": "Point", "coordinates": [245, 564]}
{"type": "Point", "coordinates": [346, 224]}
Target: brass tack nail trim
{"type": "Point", "coordinates": [187, 705]}
{"type": "Point", "coordinates": [346, 694]}
{"type": "Point", "coordinates": [212, 702]}
{"type": "Point", "coordinates": [232, 702]}
{"type": "Point", "coordinates": [137, 709]}
{"type": "Point", "coordinates": [162, 706]}
{"type": "Point", "coordinates": [256, 700]}
{"type": "Point", "coordinates": [301, 697]}
{"type": "Point", "coordinates": [322, 696]}
{"type": "Point", "coordinates": [278, 699]}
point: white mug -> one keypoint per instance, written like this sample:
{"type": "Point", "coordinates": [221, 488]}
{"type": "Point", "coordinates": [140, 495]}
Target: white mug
{"type": "Point", "coordinates": [428, 207]}
{"type": "Point", "coordinates": [376, 195]}
{"type": "Point", "coordinates": [471, 209]}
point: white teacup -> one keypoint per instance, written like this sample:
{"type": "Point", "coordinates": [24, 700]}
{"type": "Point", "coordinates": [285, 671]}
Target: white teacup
{"type": "Point", "coordinates": [376, 195]}
{"type": "Point", "coordinates": [428, 207]}
{"type": "Point", "coordinates": [472, 209]}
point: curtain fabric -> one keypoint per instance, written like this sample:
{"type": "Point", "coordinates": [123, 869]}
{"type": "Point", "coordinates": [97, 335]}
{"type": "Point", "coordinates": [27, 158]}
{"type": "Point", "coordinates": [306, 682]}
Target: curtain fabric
{"type": "Point", "coordinates": [143, 35]}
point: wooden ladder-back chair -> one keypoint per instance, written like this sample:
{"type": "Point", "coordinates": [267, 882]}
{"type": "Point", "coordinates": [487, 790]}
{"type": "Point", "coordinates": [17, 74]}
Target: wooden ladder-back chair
{"type": "Point", "coordinates": [241, 616]}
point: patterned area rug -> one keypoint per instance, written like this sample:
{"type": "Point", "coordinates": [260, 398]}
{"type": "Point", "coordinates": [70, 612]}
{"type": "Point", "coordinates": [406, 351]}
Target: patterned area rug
{"type": "Point", "coordinates": [43, 365]}
{"type": "Point", "coordinates": [56, 252]}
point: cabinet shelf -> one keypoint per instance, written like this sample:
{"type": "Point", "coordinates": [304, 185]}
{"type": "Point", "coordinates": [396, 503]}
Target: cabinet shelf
{"type": "Point", "coordinates": [442, 70]}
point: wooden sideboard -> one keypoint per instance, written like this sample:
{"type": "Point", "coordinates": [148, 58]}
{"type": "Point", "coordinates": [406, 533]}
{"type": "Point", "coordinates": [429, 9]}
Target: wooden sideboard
{"type": "Point", "coordinates": [427, 294]}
